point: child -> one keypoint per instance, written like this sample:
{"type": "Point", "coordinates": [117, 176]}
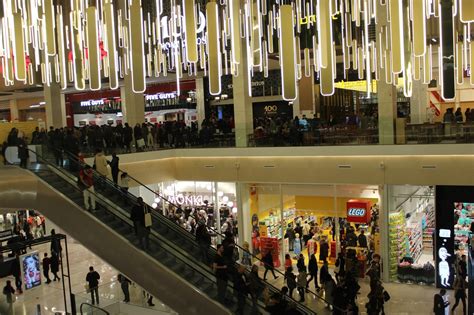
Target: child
{"type": "Point", "coordinates": [288, 261]}
{"type": "Point", "coordinates": [246, 259]}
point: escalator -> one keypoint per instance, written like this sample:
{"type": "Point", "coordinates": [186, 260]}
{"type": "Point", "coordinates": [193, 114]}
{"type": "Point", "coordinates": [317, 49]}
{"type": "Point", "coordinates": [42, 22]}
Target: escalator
{"type": "Point", "coordinates": [162, 270]}
{"type": "Point", "coordinates": [175, 235]}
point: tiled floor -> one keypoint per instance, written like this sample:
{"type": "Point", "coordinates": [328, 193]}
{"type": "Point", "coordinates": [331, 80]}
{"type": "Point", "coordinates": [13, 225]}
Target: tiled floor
{"type": "Point", "coordinates": [406, 299]}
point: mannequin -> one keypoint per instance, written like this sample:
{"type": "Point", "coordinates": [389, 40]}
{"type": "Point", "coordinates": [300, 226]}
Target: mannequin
{"type": "Point", "coordinates": [297, 245]}
{"type": "Point", "coordinates": [312, 245]}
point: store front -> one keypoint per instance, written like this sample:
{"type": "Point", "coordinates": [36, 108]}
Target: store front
{"type": "Point", "coordinates": [162, 103]}
{"type": "Point", "coordinates": [430, 234]}
{"type": "Point", "coordinates": [215, 201]}
{"type": "Point", "coordinates": [298, 219]}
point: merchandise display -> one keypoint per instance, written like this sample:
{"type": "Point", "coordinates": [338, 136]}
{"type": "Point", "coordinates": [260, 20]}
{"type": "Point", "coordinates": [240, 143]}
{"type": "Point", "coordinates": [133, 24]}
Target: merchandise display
{"type": "Point", "coordinates": [411, 230]}
{"type": "Point", "coordinates": [463, 220]}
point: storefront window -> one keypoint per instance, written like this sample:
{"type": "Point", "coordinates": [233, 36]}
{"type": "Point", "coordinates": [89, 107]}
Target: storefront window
{"type": "Point", "coordinates": [213, 202]}
{"type": "Point", "coordinates": [315, 219]}
{"type": "Point", "coordinates": [411, 231]}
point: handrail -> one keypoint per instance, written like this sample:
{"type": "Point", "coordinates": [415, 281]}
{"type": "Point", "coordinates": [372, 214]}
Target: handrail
{"type": "Point", "coordinates": [92, 306]}
{"type": "Point", "coordinates": [205, 273]}
{"type": "Point", "coordinates": [187, 232]}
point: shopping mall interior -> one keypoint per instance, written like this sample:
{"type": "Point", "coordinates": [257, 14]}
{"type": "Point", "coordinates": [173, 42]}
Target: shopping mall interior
{"type": "Point", "coordinates": [236, 157]}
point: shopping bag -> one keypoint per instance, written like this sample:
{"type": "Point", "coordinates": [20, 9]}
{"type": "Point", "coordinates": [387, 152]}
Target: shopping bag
{"type": "Point", "coordinates": [86, 286]}
{"type": "Point", "coordinates": [140, 143]}
{"type": "Point", "coordinates": [148, 219]}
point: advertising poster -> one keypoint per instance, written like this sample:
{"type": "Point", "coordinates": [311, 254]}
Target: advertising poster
{"type": "Point", "coordinates": [30, 270]}
{"type": "Point", "coordinates": [453, 231]}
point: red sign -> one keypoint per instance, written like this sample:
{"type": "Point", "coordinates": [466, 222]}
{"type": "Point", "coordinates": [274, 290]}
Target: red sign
{"type": "Point", "coordinates": [358, 211]}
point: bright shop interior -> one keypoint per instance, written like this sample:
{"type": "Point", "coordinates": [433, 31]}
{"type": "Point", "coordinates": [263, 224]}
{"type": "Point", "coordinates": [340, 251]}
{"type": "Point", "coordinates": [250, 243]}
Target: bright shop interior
{"type": "Point", "coordinates": [216, 199]}
{"type": "Point", "coordinates": [298, 219]}
{"type": "Point", "coordinates": [411, 234]}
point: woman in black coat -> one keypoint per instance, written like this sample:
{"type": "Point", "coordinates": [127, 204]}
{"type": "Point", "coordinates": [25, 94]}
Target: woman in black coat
{"type": "Point", "coordinates": [268, 263]}
{"type": "Point", "coordinates": [55, 266]}
{"type": "Point", "coordinates": [313, 272]}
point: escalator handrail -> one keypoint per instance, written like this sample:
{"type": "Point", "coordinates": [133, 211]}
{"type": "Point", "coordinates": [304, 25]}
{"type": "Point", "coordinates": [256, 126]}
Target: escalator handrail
{"type": "Point", "coordinates": [186, 232]}
{"type": "Point", "coordinates": [206, 274]}
{"type": "Point", "coordinates": [92, 307]}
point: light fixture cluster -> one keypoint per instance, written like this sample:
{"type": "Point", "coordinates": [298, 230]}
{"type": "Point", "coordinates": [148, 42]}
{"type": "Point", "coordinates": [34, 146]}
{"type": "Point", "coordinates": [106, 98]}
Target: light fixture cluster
{"type": "Point", "coordinates": [84, 41]}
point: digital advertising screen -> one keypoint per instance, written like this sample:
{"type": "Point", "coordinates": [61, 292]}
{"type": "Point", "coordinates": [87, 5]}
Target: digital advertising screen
{"type": "Point", "coordinates": [31, 270]}
{"type": "Point", "coordinates": [454, 215]}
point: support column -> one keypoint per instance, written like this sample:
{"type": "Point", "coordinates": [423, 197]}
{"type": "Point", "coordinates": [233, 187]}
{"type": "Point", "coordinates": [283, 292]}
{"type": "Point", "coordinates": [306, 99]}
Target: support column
{"type": "Point", "coordinates": [243, 115]}
{"type": "Point", "coordinates": [200, 100]}
{"type": "Point", "coordinates": [386, 93]}
{"type": "Point", "coordinates": [55, 106]}
{"type": "Point", "coordinates": [133, 104]}
{"type": "Point", "coordinates": [243, 213]}
{"type": "Point", "coordinates": [387, 109]}
{"type": "Point", "coordinates": [384, 238]}
{"type": "Point", "coordinates": [419, 102]}
{"type": "Point", "coordinates": [14, 114]}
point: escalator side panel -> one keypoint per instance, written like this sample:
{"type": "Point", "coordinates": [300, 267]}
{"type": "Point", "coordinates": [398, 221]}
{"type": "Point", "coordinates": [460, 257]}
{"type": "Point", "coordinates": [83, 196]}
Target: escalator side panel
{"type": "Point", "coordinates": [28, 191]}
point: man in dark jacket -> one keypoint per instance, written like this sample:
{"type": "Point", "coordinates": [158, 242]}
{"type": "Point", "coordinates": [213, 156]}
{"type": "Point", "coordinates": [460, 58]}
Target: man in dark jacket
{"type": "Point", "coordinates": [114, 167]}
{"type": "Point", "coordinates": [23, 153]}
{"type": "Point", "coordinates": [439, 303]}
{"type": "Point", "coordinates": [138, 215]}
{"type": "Point", "coordinates": [92, 279]}
{"type": "Point", "coordinates": [204, 240]}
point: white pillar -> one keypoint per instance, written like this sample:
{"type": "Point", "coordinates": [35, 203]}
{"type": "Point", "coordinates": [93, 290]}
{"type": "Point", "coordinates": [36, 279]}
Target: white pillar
{"type": "Point", "coordinates": [418, 102]}
{"type": "Point", "coordinates": [243, 213]}
{"type": "Point", "coordinates": [55, 106]}
{"type": "Point", "coordinates": [14, 114]}
{"type": "Point", "coordinates": [200, 100]}
{"type": "Point", "coordinates": [133, 104]}
{"type": "Point", "coordinates": [243, 115]}
{"type": "Point", "coordinates": [384, 192]}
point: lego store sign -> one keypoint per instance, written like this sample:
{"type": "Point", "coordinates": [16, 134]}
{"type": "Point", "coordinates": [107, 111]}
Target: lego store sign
{"type": "Point", "coordinates": [358, 211]}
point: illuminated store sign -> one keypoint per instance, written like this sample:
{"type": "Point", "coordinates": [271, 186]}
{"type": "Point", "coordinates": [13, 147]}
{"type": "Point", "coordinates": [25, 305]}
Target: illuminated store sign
{"type": "Point", "coordinates": [188, 200]}
{"type": "Point", "coordinates": [358, 211]}
{"type": "Point", "coordinates": [161, 96]}
{"type": "Point", "coordinates": [92, 103]}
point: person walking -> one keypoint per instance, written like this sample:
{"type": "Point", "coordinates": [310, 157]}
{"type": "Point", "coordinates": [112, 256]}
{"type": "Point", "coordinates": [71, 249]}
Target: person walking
{"type": "Point", "coordinates": [54, 263]}
{"type": "Point", "coordinates": [87, 180]}
{"type": "Point", "coordinates": [114, 167]}
{"type": "Point", "coordinates": [302, 283]}
{"type": "Point", "coordinates": [268, 264]}
{"type": "Point", "coordinates": [313, 272]}
{"type": "Point", "coordinates": [92, 279]}
{"type": "Point", "coordinates": [16, 272]}
{"type": "Point", "coordinates": [460, 286]}
{"type": "Point", "coordinates": [9, 291]}
{"type": "Point", "coordinates": [290, 280]}
{"type": "Point", "coordinates": [220, 269]}
{"type": "Point", "coordinates": [323, 249]}
{"type": "Point", "coordinates": [340, 267]}
{"type": "Point", "coordinates": [46, 264]}
{"type": "Point", "coordinates": [124, 284]}
{"type": "Point", "coordinates": [440, 304]}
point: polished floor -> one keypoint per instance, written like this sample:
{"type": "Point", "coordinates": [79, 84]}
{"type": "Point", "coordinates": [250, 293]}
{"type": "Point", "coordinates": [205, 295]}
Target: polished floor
{"type": "Point", "coordinates": [49, 297]}
{"type": "Point", "coordinates": [405, 299]}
